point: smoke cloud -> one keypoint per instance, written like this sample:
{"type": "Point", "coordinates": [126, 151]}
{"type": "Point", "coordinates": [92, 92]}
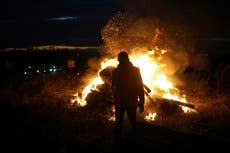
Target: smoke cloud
{"type": "Point", "coordinates": [136, 34]}
{"type": "Point", "coordinates": [177, 25]}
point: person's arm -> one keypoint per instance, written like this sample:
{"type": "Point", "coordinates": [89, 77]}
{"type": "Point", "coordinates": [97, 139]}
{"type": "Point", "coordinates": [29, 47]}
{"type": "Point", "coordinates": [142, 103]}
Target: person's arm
{"type": "Point", "coordinates": [140, 92]}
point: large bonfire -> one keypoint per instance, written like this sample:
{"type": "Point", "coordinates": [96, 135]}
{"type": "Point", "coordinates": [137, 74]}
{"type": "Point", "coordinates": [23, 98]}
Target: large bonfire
{"type": "Point", "coordinates": [157, 65]}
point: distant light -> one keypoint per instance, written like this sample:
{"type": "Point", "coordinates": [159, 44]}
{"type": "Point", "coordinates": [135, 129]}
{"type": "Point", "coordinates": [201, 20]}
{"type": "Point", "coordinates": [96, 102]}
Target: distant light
{"type": "Point", "coordinates": [25, 73]}
{"type": "Point", "coordinates": [51, 70]}
{"type": "Point", "coordinates": [78, 74]}
{"type": "Point", "coordinates": [38, 71]}
{"type": "Point", "coordinates": [44, 71]}
{"type": "Point", "coordinates": [63, 18]}
{"type": "Point", "coordinates": [54, 70]}
{"type": "Point", "coordinates": [71, 63]}
{"type": "Point", "coordinates": [29, 67]}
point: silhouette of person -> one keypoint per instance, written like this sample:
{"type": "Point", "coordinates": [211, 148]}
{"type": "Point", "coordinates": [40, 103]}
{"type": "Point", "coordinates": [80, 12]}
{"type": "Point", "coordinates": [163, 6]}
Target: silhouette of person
{"type": "Point", "coordinates": [128, 94]}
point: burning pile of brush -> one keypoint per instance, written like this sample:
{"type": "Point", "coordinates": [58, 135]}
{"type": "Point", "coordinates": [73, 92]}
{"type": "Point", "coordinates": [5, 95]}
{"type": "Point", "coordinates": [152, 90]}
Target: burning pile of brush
{"type": "Point", "coordinates": [157, 67]}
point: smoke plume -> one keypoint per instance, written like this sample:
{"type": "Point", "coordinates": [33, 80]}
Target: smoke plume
{"type": "Point", "coordinates": [171, 25]}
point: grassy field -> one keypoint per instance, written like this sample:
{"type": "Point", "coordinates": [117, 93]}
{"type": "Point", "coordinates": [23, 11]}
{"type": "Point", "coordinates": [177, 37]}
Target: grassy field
{"type": "Point", "coordinates": [37, 116]}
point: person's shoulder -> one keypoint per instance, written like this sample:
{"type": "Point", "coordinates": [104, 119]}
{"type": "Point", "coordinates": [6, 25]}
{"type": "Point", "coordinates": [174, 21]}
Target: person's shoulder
{"type": "Point", "coordinates": [136, 68]}
{"type": "Point", "coordinates": [114, 70]}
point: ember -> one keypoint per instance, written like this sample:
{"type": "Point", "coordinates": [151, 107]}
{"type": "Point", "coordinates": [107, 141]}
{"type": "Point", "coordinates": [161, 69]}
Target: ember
{"type": "Point", "coordinates": [155, 63]}
{"type": "Point", "coordinates": [156, 81]}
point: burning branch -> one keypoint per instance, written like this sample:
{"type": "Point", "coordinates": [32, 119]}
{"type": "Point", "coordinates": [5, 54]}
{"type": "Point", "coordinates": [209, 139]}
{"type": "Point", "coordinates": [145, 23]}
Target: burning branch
{"type": "Point", "coordinates": [160, 99]}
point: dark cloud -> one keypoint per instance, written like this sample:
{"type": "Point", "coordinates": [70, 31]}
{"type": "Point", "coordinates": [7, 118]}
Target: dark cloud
{"type": "Point", "coordinates": [29, 22]}
{"type": "Point", "coordinates": [177, 8]}
{"type": "Point", "coordinates": [15, 8]}
{"type": "Point", "coordinates": [203, 15]}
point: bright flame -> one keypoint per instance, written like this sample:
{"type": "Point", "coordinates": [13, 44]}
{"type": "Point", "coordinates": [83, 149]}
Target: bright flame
{"type": "Point", "coordinates": [147, 66]}
{"type": "Point", "coordinates": [108, 62]}
{"type": "Point", "coordinates": [175, 97]}
{"type": "Point", "coordinates": [91, 86]}
{"type": "Point", "coordinates": [150, 117]}
{"type": "Point", "coordinates": [152, 76]}
{"type": "Point", "coordinates": [163, 83]}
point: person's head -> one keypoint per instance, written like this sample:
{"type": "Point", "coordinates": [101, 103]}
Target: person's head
{"type": "Point", "coordinates": [123, 57]}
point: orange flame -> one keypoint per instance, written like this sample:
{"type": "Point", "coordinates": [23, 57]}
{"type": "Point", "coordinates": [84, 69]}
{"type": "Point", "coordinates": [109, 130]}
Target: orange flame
{"type": "Point", "coordinates": [152, 76]}
{"type": "Point", "coordinates": [91, 86]}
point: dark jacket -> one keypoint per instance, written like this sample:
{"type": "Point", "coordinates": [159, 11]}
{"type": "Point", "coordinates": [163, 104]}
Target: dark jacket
{"type": "Point", "coordinates": [127, 85]}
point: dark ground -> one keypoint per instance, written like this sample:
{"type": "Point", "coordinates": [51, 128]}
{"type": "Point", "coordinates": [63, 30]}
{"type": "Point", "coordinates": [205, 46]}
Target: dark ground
{"type": "Point", "coordinates": [25, 131]}
{"type": "Point", "coordinates": [39, 128]}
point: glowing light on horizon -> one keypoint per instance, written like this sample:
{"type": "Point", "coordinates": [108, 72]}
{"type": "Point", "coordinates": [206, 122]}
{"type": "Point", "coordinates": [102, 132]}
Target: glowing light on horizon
{"type": "Point", "coordinates": [63, 18]}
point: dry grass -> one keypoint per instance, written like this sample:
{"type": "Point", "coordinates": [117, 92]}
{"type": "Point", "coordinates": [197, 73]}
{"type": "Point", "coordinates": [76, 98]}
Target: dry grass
{"type": "Point", "coordinates": [210, 95]}
{"type": "Point", "coordinates": [49, 95]}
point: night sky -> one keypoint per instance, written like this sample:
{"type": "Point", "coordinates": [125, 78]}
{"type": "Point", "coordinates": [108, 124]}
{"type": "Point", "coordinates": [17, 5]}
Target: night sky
{"type": "Point", "coordinates": [78, 22]}
{"type": "Point", "coordinates": [69, 22]}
